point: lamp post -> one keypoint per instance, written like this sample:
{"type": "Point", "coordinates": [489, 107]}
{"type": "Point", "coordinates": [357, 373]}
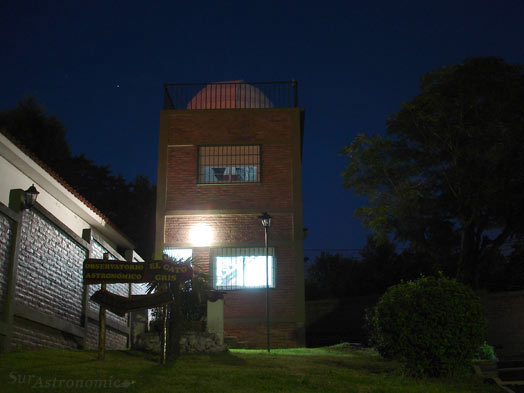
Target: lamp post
{"type": "Point", "coordinates": [266, 222]}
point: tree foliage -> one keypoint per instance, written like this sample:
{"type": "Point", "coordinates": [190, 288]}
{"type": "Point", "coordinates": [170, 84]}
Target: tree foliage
{"type": "Point", "coordinates": [43, 134]}
{"type": "Point", "coordinates": [189, 305]}
{"type": "Point", "coordinates": [377, 267]}
{"type": "Point", "coordinates": [129, 205]}
{"type": "Point", "coordinates": [447, 178]}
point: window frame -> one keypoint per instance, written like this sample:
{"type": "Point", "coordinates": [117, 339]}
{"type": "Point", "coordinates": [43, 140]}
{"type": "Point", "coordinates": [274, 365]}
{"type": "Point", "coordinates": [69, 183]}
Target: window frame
{"type": "Point", "coordinates": [201, 171]}
{"type": "Point", "coordinates": [237, 252]}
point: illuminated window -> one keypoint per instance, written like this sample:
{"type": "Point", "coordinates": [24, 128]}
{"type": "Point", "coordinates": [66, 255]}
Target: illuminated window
{"type": "Point", "coordinates": [179, 254]}
{"type": "Point", "coordinates": [236, 268]}
{"type": "Point", "coordinates": [228, 164]}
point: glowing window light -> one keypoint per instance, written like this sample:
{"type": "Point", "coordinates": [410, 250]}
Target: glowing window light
{"type": "Point", "coordinates": [236, 268]}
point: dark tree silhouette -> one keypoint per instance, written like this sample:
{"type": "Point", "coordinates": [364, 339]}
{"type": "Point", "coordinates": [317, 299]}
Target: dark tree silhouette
{"type": "Point", "coordinates": [42, 134]}
{"type": "Point", "coordinates": [129, 205]}
{"type": "Point", "coordinates": [448, 176]}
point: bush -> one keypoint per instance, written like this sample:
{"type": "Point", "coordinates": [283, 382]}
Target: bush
{"type": "Point", "coordinates": [485, 352]}
{"type": "Point", "coordinates": [433, 325]}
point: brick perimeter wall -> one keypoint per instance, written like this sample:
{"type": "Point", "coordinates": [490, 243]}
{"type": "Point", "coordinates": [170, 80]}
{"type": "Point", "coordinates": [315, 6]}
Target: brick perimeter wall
{"type": "Point", "coordinates": [49, 269]}
{"type": "Point", "coordinates": [114, 340]}
{"type": "Point", "coordinates": [49, 280]}
{"type": "Point", "coordinates": [97, 252]}
{"type": "Point", "coordinates": [282, 335]}
{"type": "Point", "coordinates": [32, 335]}
{"type": "Point", "coordinates": [505, 313]}
{"type": "Point", "coordinates": [6, 242]}
{"type": "Point", "coordinates": [331, 321]}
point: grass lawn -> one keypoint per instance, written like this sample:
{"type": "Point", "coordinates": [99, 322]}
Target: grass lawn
{"type": "Point", "coordinates": [329, 369]}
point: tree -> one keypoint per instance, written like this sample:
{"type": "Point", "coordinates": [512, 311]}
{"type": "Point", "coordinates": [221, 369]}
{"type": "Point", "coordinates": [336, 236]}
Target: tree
{"type": "Point", "coordinates": [42, 134]}
{"type": "Point", "coordinates": [129, 205]}
{"type": "Point", "coordinates": [447, 178]}
{"type": "Point", "coordinates": [189, 305]}
{"type": "Point", "coordinates": [378, 267]}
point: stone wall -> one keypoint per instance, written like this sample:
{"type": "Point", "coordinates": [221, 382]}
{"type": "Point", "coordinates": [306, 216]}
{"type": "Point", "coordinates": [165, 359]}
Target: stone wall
{"type": "Point", "coordinates": [191, 342]}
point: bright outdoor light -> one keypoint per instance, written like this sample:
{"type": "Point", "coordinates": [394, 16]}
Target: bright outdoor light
{"type": "Point", "coordinates": [201, 235]}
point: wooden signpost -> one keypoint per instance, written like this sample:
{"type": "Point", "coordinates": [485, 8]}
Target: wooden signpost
{"type": "Point", "coordinates": [102, 322]}
{"type": "Point", "coordinates": [105, 271]}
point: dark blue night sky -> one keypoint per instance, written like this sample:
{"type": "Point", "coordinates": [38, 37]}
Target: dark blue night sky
{"type": "Point", "coordinates": [100, 67]}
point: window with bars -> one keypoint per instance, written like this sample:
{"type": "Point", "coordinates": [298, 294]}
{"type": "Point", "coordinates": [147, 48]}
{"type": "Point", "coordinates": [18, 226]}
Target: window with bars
{"type": "Point", "coordinates": [228, 164]}
{"type": "Point", "coordinates": [239, 268]}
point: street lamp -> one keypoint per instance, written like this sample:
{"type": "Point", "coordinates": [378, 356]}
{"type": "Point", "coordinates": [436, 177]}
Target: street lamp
{"type": "Point", "coordinates": [266, 223]}
{"type": "Point", "coordinates": [30, 196]}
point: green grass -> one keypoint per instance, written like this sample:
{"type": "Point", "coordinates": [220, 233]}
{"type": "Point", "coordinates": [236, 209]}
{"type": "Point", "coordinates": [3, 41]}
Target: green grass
{"type": "Point", "coordinates": [329, 369]}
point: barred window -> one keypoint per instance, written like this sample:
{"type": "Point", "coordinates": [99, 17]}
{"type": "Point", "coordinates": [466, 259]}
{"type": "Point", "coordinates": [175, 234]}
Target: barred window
{"type": "Point", "coordinates": [229, 164]}
{"type": "Point", "coordinates": [238, 268]}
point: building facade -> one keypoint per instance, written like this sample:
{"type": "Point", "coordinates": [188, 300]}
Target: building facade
{"type": "Point", "coordinates": [228, 152]}
{"type": "Point", "coordinates": [43, 300]}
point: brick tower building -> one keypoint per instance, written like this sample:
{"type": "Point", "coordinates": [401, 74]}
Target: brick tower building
{"type": "Point", "coordinates": [228, 152]}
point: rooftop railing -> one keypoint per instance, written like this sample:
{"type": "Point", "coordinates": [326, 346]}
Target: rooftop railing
{"type": "Point", "coordinates": [231, 95]}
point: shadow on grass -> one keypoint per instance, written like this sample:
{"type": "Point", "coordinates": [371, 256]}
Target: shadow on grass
{"type": "Point", "coordinates": [144, 355]}
{"type": "Point", "coordinates": [227, 358]}
{"type": "Point", "coordinates": [369, 367]}
{"type": "Point", "coordinates": [224, 358]}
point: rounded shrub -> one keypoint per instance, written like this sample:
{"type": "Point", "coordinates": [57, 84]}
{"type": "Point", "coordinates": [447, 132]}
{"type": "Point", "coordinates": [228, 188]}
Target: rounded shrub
{"type": "Point", "coordinates": [433, 325]}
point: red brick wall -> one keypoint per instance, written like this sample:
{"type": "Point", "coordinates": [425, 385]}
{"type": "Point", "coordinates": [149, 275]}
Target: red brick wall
{"type": "Point", "coordinates": [282, 335]}
{"type": "Point", "coordinates": [184, 193]}
{"type": "Point", "coordinates": [275, 131]}
{"type": "Point", "coordinates": [225, 126]}
{"type": "Point", "coordinates": [251, 303]}
{"type": "Point", "coordinates": [230, 228]}
{"type": "Point", "coordinates": [271, 129]}
{"type": "Point", "coordinates": [201, 259]}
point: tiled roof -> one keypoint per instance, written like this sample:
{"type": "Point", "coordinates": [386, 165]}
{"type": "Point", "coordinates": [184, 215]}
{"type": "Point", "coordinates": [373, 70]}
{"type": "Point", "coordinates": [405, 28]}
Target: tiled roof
{"type": "Point", "coordinates": [60, 180]}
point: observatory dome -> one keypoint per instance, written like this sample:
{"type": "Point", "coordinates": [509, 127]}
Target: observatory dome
{"type": "Point", "coordinates": [229, 95]}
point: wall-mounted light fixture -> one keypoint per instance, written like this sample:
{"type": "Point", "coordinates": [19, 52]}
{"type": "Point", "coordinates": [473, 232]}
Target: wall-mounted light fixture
{"type": "Point", "coordinates": [201, 235]}
{"type": "Point", "coordinates": [30, 196]}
